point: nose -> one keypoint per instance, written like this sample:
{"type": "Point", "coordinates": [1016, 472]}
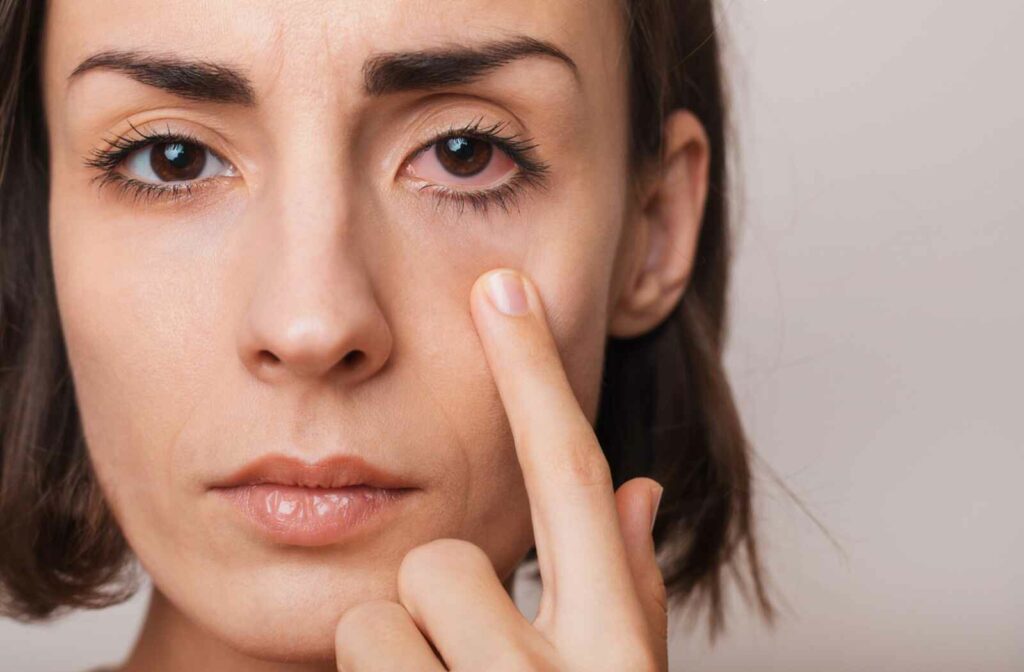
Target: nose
{"type": "Point", "coordinates": [312, 312]}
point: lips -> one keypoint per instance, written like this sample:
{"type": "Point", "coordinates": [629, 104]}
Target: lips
{"type": "Point", "coordinates": [334, 472]}
{"type": "Point", "coordinates": [289, 501]}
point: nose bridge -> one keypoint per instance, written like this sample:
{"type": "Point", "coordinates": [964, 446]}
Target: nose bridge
{"type": "Point", "coordinates": [312, 308]}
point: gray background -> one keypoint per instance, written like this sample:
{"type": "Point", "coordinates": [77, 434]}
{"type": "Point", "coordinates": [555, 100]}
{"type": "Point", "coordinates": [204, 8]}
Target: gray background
{"type": "Point", "coordinates": [875, 351]}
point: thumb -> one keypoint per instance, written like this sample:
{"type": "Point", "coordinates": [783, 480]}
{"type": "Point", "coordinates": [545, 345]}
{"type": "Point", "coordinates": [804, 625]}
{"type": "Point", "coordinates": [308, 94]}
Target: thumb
{"type": "Point", "coordinates": [635, 500]}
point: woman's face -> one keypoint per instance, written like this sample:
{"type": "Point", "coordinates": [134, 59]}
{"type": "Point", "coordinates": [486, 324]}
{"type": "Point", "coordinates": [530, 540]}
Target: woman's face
{"type": "Point", "coordinates": [309, 296]}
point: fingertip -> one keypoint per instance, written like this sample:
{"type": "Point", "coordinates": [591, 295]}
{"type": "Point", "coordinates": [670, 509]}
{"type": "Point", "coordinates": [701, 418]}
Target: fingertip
{"type": "Point", "coordinates": [506, 290]}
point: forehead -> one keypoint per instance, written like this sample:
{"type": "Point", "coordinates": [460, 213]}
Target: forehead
{"type": "Point", "coordinates": [313, 45]}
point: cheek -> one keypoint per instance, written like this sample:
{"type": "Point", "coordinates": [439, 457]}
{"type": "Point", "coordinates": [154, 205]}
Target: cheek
{"type": "Point", "coordinates": [575, 305]}
{"type": "Point", "coordinates": [485, 499]}
{"type": "Point", "coordinates": [572, 272]}
{"type": "Point", "coordinates": [443, 388]}
{"type": "Point", "coordinates": [137, 351]}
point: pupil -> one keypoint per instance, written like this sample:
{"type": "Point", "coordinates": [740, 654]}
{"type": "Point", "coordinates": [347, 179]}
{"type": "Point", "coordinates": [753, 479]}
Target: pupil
{"type": "Point", "coordinates": [462, 148]}
{"type": "Point", "coordinates": [177, 161]}
{"type": "Point", "coordinates": [464, 157]}
{"type": "Point", "coordinates": [174, 154]}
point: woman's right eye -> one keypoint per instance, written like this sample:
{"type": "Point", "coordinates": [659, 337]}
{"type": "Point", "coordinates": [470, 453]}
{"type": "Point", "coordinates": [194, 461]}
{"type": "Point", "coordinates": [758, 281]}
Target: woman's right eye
{"type": "Point", "coordinates": [175, 161]}
{"type": "Point", "coordinates": [463, 161]}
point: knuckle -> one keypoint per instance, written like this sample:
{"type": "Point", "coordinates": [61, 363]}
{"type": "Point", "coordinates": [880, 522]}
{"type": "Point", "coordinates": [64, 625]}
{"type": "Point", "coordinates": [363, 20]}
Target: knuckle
{"type": "Point", "coordinates": [427, 561]}
{"type": "Point", "coordinates": [583, 463]}
{"type": "Point", "coordinates": [659, 593]}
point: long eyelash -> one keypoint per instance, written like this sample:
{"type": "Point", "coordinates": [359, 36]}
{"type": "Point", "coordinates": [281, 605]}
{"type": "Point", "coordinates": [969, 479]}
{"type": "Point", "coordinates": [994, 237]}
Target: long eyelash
{"type": "Point", "coordinates": [120, 147]}
{"type": "Point", "coordinates": [532, 171]}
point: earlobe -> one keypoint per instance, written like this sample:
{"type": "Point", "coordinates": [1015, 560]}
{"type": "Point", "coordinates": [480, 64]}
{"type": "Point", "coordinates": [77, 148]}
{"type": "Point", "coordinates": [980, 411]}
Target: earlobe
{"type": "Point", "coordinates": [667, 229]}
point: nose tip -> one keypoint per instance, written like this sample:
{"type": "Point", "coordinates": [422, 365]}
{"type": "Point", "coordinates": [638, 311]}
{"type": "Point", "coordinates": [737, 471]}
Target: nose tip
{"type": "Point", "coordinates": [315, 321]}
{"type": "Point", "coordinates": [309, 352]}
{"type": "Point", "coordinates": [346, 348]}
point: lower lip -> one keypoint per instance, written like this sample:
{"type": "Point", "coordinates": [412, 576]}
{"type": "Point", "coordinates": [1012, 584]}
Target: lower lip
{"type": "Point", "coordinates": [302, 516]}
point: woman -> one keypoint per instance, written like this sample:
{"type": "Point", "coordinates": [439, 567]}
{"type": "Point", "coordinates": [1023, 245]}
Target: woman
{"type": "Point", "coordinates": [249, 335]}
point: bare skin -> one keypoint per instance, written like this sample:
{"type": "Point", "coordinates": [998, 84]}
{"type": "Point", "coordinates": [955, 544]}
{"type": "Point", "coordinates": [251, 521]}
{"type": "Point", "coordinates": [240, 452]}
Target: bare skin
{"type": "Point", "coordinates": [206, 330]}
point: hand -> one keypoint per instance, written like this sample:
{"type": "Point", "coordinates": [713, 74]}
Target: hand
{"type": "Point", "coordinates": [603, 605]}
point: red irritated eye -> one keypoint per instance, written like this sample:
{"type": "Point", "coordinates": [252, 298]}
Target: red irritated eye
{"type": "Point", "coordinates": [462, 161]}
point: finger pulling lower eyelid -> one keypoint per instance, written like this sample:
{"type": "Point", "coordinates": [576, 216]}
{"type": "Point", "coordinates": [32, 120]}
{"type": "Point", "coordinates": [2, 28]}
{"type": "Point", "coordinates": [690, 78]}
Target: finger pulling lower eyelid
{"type": "Point", "coordinates": [508, 293]}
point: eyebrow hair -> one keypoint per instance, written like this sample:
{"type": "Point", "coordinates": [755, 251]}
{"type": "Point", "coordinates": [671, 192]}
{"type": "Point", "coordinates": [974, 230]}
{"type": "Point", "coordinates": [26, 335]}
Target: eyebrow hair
{"type": "Point", "coordinates": [383, 73]}
{"type": "Point", "coordinates": [191, 79]}
{"type": "Point", "coordinates": [450, 66]}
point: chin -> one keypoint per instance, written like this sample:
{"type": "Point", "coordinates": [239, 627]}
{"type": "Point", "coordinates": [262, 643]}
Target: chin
{"type": "Point", "coordinates": [288, 611]}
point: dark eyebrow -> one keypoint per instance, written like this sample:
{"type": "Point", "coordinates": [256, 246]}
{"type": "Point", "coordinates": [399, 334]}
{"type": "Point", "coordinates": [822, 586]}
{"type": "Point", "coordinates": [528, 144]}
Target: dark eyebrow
{"type": "Point", "coordinates": [383, 73]}
{"type": "Point", "coordinates": [191, 79]}
{"type": "Point", "coordinates": [391, 72]}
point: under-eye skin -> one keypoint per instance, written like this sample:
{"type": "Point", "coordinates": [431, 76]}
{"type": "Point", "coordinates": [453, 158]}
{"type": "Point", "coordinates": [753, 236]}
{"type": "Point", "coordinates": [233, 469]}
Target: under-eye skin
{"type": "Point", "coordinates": [464, 154]}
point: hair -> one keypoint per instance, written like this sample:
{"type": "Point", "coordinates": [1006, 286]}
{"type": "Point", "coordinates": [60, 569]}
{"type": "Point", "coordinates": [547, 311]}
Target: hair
{"type": "Point", "coordinates": [666, 409]}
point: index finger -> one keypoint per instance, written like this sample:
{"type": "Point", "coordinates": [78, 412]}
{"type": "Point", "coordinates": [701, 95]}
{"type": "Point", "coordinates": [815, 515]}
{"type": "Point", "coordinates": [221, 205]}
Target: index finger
{"type": "Point", "coordinates": [580, 549]}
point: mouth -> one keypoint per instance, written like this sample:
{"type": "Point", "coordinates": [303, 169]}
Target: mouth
{"type": "Point", "coordinates": [288, 501]}
{"type": "Point", "coordinates": [338, 471]}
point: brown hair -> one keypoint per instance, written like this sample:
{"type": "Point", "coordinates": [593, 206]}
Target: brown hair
{"type": "Point", "coordinates": [666, 408]}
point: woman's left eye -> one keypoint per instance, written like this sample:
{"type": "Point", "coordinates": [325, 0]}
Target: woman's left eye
{"type": "Point", "coordinates": [175, 161]}
{"type": "Point", "coordinates": [462, 161]}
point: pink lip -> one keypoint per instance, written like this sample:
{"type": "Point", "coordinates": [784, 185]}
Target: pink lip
{"type": "Point", "coordinates": [298, 503]}
{"type": "Point", "coordinates": [301, 516]}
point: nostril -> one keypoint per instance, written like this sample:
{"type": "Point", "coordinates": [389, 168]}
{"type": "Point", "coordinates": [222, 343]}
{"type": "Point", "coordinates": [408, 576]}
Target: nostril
{"type": "Point", "coordinates": [353, 358]}
{"type": "Point", "coordinates": [268, 360]}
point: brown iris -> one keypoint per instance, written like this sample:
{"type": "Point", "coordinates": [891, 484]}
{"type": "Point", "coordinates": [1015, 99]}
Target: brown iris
{"type": "Point", "coordinates": [463, 156]}
{"type": "Point", "coordinates": [177, 161]}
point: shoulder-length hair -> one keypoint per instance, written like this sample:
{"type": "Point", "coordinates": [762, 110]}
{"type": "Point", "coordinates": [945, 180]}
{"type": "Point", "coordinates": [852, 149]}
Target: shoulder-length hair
{"type": "Point", "coordinates": [666, 408]}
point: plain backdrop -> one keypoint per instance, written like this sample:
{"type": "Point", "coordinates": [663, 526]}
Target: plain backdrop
{"type": "Point", "coordinates": [875, 348]}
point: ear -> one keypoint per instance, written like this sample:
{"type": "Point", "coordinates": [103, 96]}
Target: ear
{"type": "Point", "coordinates": [666, 229]}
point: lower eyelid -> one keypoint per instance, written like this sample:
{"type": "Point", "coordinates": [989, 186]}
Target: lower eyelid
{"type": "Point", "coordinates": [505, 196]}
{"type": "Point", "coordinates": [157, 194]}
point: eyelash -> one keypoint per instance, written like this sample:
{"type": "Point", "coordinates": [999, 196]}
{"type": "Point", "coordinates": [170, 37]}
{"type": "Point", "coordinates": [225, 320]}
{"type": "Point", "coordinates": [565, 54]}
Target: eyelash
{"type": "Point", "coordinates": [119, 148]}
{"type": "Point", "coordinates": [531, 171]}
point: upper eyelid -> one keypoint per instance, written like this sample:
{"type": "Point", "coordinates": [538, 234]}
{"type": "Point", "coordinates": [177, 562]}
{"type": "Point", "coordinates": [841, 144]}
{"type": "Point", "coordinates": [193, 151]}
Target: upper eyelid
{"type": "Point", "coordinates": [474, 129]}
{"type": "Point", "coordinates": [121, 146]}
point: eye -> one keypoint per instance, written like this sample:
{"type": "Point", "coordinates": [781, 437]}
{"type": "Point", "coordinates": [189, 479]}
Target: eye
{"type": "Point", "coordinates": [175, 161]}
{"type": "Point", "coordinates": [462, 161]}
{"type": "Point", "coordinates": [479, 166]}
{"type": "Point", "coordinates": [160, 166]}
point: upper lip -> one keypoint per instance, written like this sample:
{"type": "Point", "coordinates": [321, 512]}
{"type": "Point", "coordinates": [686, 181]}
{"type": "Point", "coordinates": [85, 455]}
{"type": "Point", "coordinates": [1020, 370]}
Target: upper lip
{"type": "Point", "coordinates": [333, 472]}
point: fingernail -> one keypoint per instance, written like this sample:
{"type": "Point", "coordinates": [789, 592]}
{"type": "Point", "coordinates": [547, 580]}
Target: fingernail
{"type": "Point", "coordinates": [507, 293]}
{"type": "Point", "coordinates": [654, 506]}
